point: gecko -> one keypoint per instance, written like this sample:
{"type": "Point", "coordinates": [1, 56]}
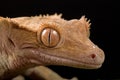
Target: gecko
{"type": "Point", "coordinates": [43, 40]}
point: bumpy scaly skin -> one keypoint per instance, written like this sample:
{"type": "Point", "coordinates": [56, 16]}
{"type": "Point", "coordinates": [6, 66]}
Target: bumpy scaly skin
{"type": "Point", "coordinates": [46, 40]}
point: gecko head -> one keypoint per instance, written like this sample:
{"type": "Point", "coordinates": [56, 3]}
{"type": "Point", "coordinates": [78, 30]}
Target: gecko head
{"type": "Point", "coordinates": [57, 42]}
{"type": "Point", "coordinates": [67, 43]}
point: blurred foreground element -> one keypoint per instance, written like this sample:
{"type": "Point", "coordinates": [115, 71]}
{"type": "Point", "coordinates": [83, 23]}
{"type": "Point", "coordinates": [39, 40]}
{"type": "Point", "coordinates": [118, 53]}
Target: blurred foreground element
{"type": "Point", "coordinates": [39, 73]}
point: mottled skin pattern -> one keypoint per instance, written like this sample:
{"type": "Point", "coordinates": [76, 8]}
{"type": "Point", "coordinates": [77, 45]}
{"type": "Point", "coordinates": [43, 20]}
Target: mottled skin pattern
{"type": "Point", "coordinates": [27, 42]}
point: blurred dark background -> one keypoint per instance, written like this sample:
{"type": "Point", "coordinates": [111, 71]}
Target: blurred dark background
{"type": "Point", "coordinates": [103, 30]}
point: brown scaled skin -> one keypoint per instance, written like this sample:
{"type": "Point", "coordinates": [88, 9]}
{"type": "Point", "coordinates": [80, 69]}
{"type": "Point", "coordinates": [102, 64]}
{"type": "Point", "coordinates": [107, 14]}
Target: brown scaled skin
{"type": "Point", "coordinates": [48, 40]}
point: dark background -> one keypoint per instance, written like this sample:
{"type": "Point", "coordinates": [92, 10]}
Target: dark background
{"type": "Point", "coordinates": [103, 30]}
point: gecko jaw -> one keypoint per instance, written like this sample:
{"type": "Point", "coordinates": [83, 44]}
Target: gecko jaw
{"type": "Point", "coordinates": [47, 59]}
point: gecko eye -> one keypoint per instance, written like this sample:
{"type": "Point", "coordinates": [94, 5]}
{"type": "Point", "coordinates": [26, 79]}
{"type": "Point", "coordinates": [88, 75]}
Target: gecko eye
{"type": "Point", "coordinates": [50, 37]}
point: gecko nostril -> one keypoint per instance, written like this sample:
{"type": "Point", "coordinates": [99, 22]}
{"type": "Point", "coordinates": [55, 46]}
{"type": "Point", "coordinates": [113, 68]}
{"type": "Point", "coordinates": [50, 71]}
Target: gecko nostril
{"type": "Point", "coordinates": [93, 56]}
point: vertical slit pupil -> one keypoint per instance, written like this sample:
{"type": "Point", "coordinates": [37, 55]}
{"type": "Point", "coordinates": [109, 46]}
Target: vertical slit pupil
{"type": "Point", "coordinates": [49, 38]}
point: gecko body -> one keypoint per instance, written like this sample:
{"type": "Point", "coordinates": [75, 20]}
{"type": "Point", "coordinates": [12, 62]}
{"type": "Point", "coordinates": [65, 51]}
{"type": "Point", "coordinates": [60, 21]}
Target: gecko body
{"type": "Point", "coordinates": [46, 40]}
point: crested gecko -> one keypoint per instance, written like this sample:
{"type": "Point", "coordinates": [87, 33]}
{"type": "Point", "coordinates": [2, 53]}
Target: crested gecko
{"type": "Point", "coordinates": [27, 42]}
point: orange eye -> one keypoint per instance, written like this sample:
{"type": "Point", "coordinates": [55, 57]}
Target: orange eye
{"type": "Point", "coordinates": [50, 37]}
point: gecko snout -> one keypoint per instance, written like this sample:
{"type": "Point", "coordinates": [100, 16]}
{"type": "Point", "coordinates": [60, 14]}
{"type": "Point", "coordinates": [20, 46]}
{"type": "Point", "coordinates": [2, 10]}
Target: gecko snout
{"type": "Point", "coordinates": [97, 56]}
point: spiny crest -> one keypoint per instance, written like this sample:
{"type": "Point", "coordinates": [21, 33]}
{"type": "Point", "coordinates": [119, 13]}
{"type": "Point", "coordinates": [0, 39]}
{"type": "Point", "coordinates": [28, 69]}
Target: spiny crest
{"type": "Point", "coordinates": [51, 16]}
{"type": "Point", "coordinates": [85, 21]}
{"type": "Point", "coordinates": [87, 24]}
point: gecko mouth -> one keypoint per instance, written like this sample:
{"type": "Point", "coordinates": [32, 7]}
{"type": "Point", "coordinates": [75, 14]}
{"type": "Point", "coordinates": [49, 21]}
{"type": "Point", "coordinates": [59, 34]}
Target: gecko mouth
{"type": "Point", "coordinates": [48, 59]}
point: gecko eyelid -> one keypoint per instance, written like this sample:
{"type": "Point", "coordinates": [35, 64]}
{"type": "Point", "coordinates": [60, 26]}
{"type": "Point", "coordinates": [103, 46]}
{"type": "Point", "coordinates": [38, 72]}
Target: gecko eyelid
{"type": "Point", "coordinates": [50, 37]}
